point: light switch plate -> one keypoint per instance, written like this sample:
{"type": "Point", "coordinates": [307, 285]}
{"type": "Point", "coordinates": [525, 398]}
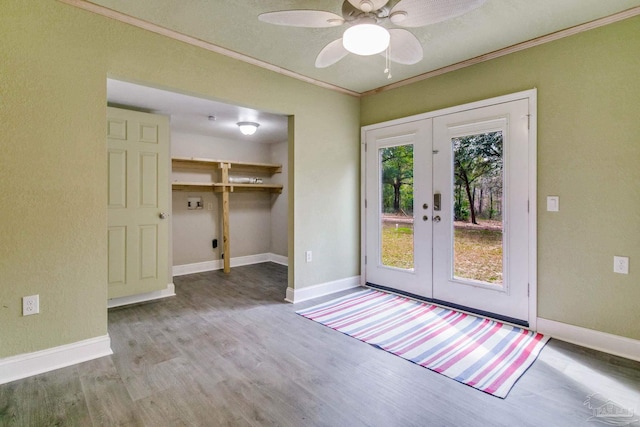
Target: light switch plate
{"type": "Point", "coordinates": [553, 203]}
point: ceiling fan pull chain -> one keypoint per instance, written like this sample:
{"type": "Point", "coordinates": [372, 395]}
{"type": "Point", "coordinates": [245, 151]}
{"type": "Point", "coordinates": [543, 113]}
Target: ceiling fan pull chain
{"type": "Point", "coordinates": [387, 69]}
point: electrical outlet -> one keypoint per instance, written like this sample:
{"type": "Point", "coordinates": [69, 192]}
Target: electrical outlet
{"type": "Point", "coordinates": [30, 305]}
{"type": "Point", "coordinates": [621, 264]}
{"type": "Point", "coordinates": [308, 256]}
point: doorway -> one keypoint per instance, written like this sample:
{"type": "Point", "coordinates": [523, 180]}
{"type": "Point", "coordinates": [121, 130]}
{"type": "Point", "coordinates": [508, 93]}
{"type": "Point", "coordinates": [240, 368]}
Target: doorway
{"type": "Point", "coordinates": [450, 207]}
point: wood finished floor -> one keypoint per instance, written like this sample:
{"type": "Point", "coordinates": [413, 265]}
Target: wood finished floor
{"type": "Point", "coordinates": [228, 351]}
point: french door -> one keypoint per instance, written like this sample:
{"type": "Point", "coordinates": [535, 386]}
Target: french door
{"type": "Point", "coordinates": [447, 208]}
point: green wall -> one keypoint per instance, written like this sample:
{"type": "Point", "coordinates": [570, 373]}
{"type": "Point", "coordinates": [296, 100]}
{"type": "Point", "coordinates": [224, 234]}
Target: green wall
{"type": "Point", "coordinates": [54, 61]}
{"type": "Point", "coordinates": [588, 154]}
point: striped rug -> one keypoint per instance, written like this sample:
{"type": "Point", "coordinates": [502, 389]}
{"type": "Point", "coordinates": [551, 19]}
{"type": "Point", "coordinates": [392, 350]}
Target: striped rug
{"type": "Point", "coordinates": [479, 352]}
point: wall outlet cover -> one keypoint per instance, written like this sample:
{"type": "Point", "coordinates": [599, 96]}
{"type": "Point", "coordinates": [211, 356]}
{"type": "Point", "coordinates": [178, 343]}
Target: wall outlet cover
{"type": "Point", "coordinates": [30, 305]}
{"type": "Point", "coordinates": [621, 264]}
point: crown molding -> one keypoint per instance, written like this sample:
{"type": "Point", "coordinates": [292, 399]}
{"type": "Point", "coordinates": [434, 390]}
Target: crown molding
{"type": "Point", "coordinates": [157, 29]}
{"type": "Point", "coordinates": [601, 22]}
{"type": "Point", "coordinates": [154, 28]}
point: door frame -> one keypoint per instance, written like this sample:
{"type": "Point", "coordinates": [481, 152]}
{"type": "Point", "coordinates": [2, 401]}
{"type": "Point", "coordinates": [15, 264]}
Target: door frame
{"type": "Point", "coordinates": [531, 97]}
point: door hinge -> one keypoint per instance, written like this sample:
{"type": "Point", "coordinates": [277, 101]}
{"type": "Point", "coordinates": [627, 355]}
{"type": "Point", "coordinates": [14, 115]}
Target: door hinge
{"type": "Point", "coordinates": [527, 206]}
{"type": "Point", "coordinates": [365, 203]}
{"type": "Point", "coordinates": [528, 288]}
{"type": "Point", "coordinates": [528, 121]}
{"type": "Point", "coordinates": [365, 148]}
{"type": "Point", "coordinates": [365, 260]}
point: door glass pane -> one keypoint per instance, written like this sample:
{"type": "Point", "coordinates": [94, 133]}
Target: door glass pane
{"type": "Point", "coordinates": [477, 208]}
{"type": "Point", "coordinates": [396, 217]}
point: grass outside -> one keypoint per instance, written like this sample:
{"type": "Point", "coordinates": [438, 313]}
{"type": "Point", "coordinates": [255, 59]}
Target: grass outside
{"type": "Point", "coordinates": [478, 252]}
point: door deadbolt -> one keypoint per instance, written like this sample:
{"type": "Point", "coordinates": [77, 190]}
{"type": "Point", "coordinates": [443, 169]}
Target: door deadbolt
{"type": "Point", "coordinates": [424, 217]}
{"type": "Point", "coordinates": [425, 206]}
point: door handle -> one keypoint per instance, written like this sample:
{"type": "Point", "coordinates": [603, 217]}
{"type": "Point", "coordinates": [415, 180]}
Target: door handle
{"type": "Point", "coordinates": [425, 218]}
{"type": "Point", "coordinates": [436, 218]}
{"type": "Point", "coordinates": [163, 215]}
{"type": "Point", "coordinates": [436, 201]}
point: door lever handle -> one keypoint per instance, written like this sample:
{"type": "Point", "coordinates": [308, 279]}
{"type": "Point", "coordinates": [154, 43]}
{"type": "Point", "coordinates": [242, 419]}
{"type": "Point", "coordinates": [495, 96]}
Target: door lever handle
{"type": "Point", "coordinates": [436, 218]}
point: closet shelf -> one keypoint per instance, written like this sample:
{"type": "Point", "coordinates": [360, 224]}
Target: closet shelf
{"type": "Point", "coordinates": [226, 167]}
{"type": "Point", "coordinates": [196, 163]}
{"type": "Point", "coordinates": [219, 187]}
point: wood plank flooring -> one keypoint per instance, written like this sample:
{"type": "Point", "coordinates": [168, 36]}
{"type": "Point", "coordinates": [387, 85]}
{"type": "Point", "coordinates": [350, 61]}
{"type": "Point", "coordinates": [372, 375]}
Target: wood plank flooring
{"type": "Point", "coordinates": [228, 351]}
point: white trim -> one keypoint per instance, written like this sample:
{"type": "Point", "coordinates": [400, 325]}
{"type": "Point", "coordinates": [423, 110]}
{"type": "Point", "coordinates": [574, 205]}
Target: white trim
{"type": "Point", "coordinates": [278, 259]}
{"type": "Point", "coordinates": [170, 291]}
{"type": "Point", "coordinates": [199, 267]}
{"type": "Point", "coordinates": [25, 365]}
{"type": "Point", "coordinates": [601, 341]}
{"type": "Point", "coordinates": [299, 295]}
{"type": "Point", "coordinates": [525, 94]}
{"type": "Point", "coordinates": [531, 96]}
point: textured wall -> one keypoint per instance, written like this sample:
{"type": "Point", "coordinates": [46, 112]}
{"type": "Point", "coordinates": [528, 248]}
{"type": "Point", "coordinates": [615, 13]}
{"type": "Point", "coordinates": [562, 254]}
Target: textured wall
{"type": "Point", "coordinates": [588, 154]}
{"type": "Point", "coordinates": [55, 62]}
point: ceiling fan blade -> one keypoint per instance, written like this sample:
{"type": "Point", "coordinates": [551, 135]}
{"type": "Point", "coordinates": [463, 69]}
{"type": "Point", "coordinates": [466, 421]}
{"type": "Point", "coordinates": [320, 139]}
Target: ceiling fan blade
{"type": "Point", "coordinates": [417, 13]}
{"type": "Point", "coordinates": [368, 5]}
{"type": "Point", "coordinates": [404, 47]}
{"type": "Point", "coordinates": [330, 54]}
{"type": "Point", "coordinates": [302, 18]}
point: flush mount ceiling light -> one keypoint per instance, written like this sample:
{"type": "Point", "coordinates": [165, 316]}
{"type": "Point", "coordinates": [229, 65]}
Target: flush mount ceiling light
{"type": "Point", "coordinates": [248, 128]}
{"type": "Point", "coordinates": [366, 39]}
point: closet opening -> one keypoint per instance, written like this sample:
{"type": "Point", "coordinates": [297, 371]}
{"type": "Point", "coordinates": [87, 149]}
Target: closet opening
{"type": "Point", "coordinates": [228, 190]}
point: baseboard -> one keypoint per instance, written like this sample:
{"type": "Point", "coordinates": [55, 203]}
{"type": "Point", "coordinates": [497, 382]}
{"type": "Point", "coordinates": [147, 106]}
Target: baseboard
{"type": "Point", "coordinates": [199, 267]}
{"type": "Point", "coordinates": [279, 259]}
{"type": "Point", "coordinates": [170, 291]}
{"type": "Point", "coordinates": [601, 341]}
{"type": "Point", "coordinates": [315, 291]}
{"type": "Point", "coordinates": [26, 365]}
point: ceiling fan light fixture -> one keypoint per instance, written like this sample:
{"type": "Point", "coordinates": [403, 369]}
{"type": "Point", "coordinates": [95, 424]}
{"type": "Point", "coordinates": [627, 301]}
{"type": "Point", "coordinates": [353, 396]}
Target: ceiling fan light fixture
{"type": "Point", "coordinates": [366, 39]}
{"type": "Point", "coordinates": [248, 128]}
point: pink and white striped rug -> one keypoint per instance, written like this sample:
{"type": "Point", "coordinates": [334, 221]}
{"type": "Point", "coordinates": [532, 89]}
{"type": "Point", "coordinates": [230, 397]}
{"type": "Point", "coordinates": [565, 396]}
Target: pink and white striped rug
{"type": "Point", "coordinates": [479, 352]}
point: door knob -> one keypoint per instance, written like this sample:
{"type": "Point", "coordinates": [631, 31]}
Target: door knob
{"type": "Point", "coordinates": [436, 218]}
{"type": "Point", "coordinates": [425, 206]}
{"type": "Point", "coordinates": [163, 215]}
{"type": "Point", "coordinates": [424, 217]}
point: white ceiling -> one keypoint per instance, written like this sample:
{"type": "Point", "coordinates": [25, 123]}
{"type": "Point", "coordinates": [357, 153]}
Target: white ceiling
{"type": "Point", "coordinates": [191, 114]}
{"type": "Point", "coordinates": [234, 25]}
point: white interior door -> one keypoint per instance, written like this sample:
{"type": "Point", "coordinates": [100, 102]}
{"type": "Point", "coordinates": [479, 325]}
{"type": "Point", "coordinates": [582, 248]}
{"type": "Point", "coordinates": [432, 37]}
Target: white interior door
{"type": "Point", "coordinates": [482, 265]}
{"type": "Point", "coordinates": [138, 202]}
{"type": "Point", "coordinates": [398, 241]}
{"type": "Point", "coordinates": [433, 244]}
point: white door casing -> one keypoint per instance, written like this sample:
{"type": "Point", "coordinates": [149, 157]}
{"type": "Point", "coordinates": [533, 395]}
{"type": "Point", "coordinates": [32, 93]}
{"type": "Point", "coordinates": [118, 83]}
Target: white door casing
{"type": "Point", "coordinates": [514, 115]}
{"type": "Point", "coordinates": [137, 202]}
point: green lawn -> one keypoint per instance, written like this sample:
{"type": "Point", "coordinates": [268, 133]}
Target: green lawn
{"type": "Point", "coordinates": [478, 253]}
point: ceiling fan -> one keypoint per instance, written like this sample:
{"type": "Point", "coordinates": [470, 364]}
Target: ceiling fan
{"type": "Point", "coordinates": [367, 20]}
